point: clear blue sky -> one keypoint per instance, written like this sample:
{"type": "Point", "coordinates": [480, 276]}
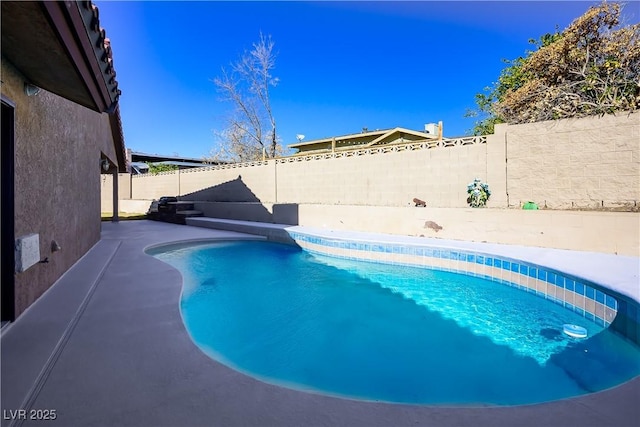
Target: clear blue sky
{"type": "Point", "coordinates": [342, 65]}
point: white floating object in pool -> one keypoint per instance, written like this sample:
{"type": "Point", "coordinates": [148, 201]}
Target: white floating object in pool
{"type": "Point", "coordinates": [574, 331]}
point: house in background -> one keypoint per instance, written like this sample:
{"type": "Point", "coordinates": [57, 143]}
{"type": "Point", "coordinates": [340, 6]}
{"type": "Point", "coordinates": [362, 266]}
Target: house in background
{"type": "Point", "coordinates": [367, 139]}
{"type": "Point", "coordinates": [61, 130]}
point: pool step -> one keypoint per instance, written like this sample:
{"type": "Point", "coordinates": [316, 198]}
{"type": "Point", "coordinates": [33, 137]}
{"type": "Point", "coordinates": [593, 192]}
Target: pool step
{"type": "Point", "coordinates": [274, 232]}
{"type": "Point", "coordinates": [169, 209]}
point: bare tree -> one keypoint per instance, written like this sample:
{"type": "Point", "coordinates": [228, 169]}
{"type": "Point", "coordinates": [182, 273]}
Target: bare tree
{"type": "Point", "coordinates": [251, 128]}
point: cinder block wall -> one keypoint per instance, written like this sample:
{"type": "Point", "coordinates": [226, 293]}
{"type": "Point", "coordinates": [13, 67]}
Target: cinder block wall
{"type": "Point", "coordinates": [590, 163]}
{"type": "Point", "coordinates": [154, 186]}
{"type": "Point", "coordinates": [106, 191]}
{"type": "Point", "coordinates": [438, 176]}
{"type": "Point", "coordinates": [574, 163]}
{"type": "Point", "coordinates": [252, 183]}
{"type": "Point", "coordinates": [231, 184]}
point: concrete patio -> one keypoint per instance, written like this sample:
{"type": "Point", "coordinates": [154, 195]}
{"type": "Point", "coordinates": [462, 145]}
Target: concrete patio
{"type": "Point", "coordinates": [106, 346]}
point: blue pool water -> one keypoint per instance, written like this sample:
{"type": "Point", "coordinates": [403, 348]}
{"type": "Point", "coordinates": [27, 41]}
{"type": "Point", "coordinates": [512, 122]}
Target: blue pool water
{"type": "Point", "coordinates": [387, 333]}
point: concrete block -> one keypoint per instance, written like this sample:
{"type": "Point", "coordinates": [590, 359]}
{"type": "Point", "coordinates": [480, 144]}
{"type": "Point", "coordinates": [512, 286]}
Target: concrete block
{"type": "Point", "coordinates": [600, 170]}
{"type": "Point", "coordinates": [626, 156]}
{"type": "Point", "coordinates": [627, 169]}
{"type": "Point", "coordinates": [585, 183]}
{"type": "Point", "coordinates": [27, 251]}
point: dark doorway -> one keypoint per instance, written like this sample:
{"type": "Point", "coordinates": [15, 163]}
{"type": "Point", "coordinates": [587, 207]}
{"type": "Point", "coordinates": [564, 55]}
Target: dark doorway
{"type": "Point", "coordinates": [7, 231]}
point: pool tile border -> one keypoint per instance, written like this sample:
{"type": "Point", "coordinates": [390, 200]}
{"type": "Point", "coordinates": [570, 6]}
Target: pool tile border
{"type": "Point", "coordinates": [578, 295]}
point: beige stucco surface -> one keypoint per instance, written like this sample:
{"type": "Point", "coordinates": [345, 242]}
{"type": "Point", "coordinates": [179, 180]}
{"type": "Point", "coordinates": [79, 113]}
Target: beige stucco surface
{"type": "Point", "coordinates": [58, 145]}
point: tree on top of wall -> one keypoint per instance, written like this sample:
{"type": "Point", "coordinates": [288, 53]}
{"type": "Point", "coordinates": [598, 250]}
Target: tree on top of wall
{"type": "Point", "coordinates": [590, 68]}
{"type": "Point", "coordinates": [156, 168]}
{"type": "Point", "coordinates": [251, 128]}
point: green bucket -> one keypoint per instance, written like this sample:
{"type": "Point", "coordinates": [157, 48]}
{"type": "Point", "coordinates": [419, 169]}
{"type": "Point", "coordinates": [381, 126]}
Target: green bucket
{"type": "Point", "coordinates": [530, 206]}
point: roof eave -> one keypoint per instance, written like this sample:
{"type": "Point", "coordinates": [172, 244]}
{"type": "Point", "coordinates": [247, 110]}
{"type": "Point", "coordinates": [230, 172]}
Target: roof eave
{"type": "Point", "coordinates": [115, 122]}
{"type": "Point", "coordinates": [60, 47]}
{"type": "Point", "coordinates": [338, 138]}
{"type": "Point", "coordinates": [78, 27]}
{"type": "Point", "coordinates": [382, 134]}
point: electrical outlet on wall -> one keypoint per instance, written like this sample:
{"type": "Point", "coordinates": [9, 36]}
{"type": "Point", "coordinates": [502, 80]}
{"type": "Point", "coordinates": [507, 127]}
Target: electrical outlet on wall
{"type": "Point", "coordinates": [27, 251]}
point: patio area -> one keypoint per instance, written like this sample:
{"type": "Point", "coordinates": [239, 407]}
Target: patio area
{"type": "Point", "coordinates": [106, 346]}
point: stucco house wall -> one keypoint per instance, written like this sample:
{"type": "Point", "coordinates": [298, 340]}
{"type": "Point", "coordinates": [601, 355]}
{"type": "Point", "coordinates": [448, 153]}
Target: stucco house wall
{"type": "Point", "coordinates": [58, 147]}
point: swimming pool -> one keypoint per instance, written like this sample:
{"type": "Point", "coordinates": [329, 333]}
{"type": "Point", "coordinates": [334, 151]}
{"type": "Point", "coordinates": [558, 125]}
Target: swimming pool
{"type": "Point", "coordinates": [392, 333]}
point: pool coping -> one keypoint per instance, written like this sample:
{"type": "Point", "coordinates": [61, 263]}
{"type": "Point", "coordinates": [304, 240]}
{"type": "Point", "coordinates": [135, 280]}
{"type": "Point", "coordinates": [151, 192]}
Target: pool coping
{"type": "Point", "coordinates": [620, 273]}
{"type": "Point", "coordinates": [591, 266]}
{"type": "Point", "coordinates": [144, 370]}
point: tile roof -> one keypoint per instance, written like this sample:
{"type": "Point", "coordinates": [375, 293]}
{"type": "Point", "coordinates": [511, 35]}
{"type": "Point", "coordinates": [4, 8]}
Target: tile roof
{"type": "Point", "coordinates": [378, 134]}
{"type": "Point", "coordinates": [61, 47]}
{"type": "Point", "coordinates": [101, 47]}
